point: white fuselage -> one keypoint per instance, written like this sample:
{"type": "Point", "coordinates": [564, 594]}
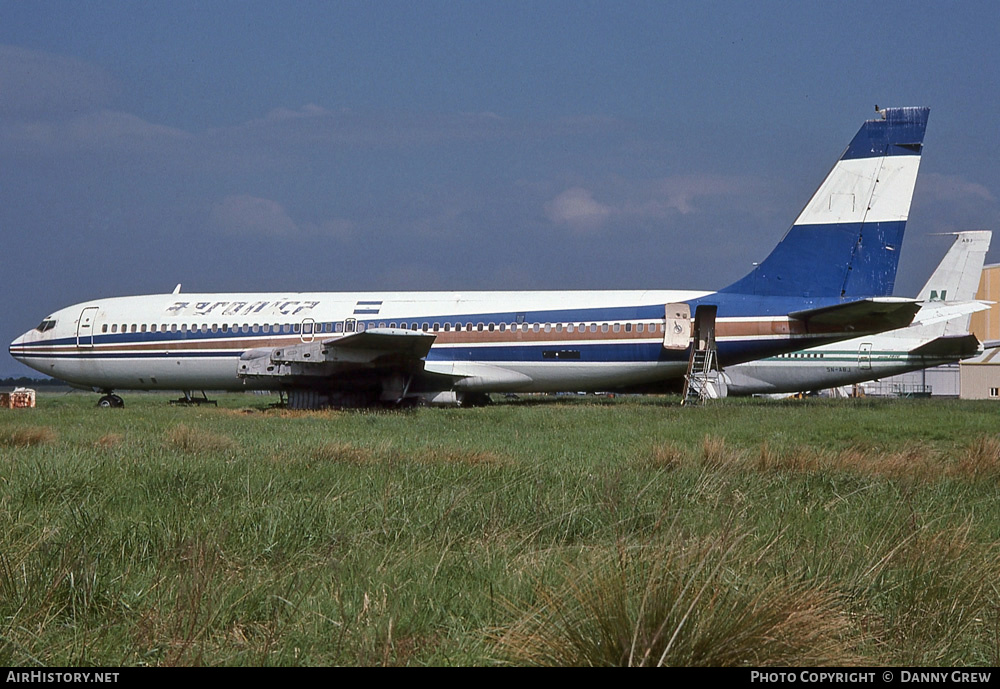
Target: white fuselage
{"type": "Point", "coordinates": [483, 341]}
{"type": "Point", "coordinates": [194, 341]}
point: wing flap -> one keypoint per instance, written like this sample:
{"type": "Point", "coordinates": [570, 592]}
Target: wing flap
{"type": "Point", "coordinates": [386, 340]}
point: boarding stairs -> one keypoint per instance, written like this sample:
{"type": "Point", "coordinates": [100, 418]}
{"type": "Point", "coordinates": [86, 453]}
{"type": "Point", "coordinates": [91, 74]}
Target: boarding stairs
{"type": "Point", "coordinates": [704, 379]}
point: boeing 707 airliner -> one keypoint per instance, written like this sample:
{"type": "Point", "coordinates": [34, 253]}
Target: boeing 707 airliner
{"type": "Point", "coordinates": [827, 280]}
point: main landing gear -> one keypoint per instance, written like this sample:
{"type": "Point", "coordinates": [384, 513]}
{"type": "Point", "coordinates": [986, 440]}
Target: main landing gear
{"type": "Point", "coordinates": [189, 399]}
{"type": "Point", "coordinates": [109, 401]}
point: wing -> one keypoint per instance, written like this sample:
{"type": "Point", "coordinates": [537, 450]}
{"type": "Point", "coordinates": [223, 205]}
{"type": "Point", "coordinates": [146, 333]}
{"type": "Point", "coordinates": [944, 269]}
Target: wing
{"type": "Point", "coordinates": [381, 349]}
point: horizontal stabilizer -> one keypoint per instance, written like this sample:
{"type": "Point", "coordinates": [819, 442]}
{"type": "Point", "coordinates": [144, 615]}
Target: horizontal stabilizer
{"type": "Point", "coordinates": [940, 312]}
{"type": "Point", "coordinates": [864, 316]}
{"type": "Point", "coordinates": [951, 346]}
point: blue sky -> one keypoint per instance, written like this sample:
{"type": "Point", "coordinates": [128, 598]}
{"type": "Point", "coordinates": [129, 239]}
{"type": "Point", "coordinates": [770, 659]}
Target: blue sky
{"type": "Point", "coordinates": [461, 145]}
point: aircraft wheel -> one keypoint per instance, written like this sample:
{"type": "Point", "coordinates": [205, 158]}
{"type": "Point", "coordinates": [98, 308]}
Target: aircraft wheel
{"type": "Point", "coordinates": [476, 399]}
{"type": "Point", "coordinates": [111, 402]}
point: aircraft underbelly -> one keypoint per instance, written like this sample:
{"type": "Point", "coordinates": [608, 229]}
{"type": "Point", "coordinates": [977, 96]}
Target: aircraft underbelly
{"type": "Point", "coordinates": [765, 377]}
{"type": "Point", "coordinates": [563, 376]}
{"type": "Point", "coordinates": [166, 373]}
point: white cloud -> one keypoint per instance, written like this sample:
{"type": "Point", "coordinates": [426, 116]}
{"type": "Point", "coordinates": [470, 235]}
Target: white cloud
{"type": "Point", "coordinates": [341, 229]}
{"type": "Point", "coordinates": [678, 193]}
{"type": "Point", "coordinates": [938, 187]}
{"type": "Point", "coordinates": [659, 199]}
{"type": "Point", "coordinates": [243, 214]}
{"type": "Point", "coordinates": [35, 82]}
{"type": "Point", "coordinates": [97, 130]}
{"type": "Point", "coordinates": [251, 215]}
{"type": "Point", "coordinates": [577, 209]}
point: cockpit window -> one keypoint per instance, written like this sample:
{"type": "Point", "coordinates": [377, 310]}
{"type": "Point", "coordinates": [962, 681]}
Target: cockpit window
{"type": "Point", "coordinates": [47, 324]}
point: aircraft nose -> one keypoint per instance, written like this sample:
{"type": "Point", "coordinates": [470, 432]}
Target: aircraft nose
{"type": "Point", "coordinates": [16, 348]}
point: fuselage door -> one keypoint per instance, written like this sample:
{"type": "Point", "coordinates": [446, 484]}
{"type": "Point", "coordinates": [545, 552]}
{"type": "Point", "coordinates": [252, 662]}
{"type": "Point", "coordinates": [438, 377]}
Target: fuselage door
{"type": "Point", "coordinates": [85, 327]}
{"type": "Point", "coordinates": [865, 356]}
{"type": "Point", "coordinates": [308, 329]}
{"type": "Point", "coordinates": [677, 333]}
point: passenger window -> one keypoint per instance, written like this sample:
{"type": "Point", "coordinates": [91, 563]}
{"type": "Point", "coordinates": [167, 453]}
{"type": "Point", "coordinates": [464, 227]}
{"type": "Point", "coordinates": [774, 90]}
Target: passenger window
{"type": "Point", "coordinates": [104, 328]}
{"type": "Point", "coordinates": [114, 327]}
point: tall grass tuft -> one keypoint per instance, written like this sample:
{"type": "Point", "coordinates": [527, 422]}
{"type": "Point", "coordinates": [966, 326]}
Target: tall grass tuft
{"type": "Point", "coordinates": [460, 456]}
{"type": "Point", "coordinates": [28, 436]}
{"type": "Point", "coordinates": [927, 593]}
{"type": "Point", "coordinates": [980, 459]}
{"type": "Point", "coordinates": [197, 441]}
{"type": "Point", "coordinates": [716, 454]}
{"type": "Point", "coordinates": [680, 604]}
{"type": "Point", "coordinates": [343, 453]}
{"type": "Point", "coordinates": [109, 441]}
{"type": "Point", "coordinates": [665, 456]}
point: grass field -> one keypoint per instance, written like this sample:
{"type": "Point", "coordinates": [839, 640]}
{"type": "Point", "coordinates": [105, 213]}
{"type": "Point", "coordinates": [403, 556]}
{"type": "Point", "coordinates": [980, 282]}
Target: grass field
{"type": "Point", "coordinates": [580, 531]}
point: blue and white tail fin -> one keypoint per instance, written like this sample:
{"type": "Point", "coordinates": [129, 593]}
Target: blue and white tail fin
{"type": "Point", "coordinates": [846, 241]}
